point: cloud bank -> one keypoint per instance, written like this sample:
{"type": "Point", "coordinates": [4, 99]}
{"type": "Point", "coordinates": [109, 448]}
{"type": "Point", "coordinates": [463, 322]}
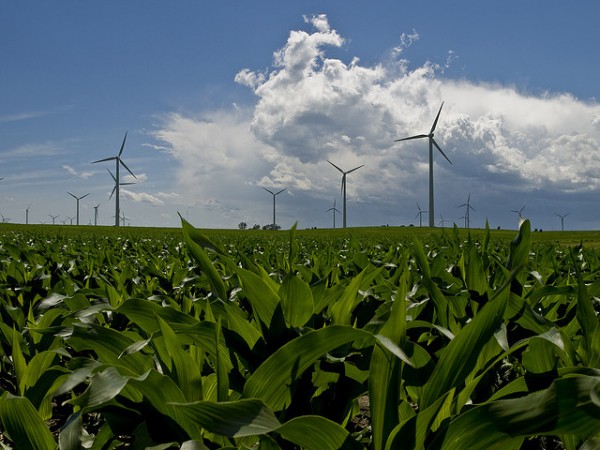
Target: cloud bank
{"type": "Point", "coordinates": [506, 146]}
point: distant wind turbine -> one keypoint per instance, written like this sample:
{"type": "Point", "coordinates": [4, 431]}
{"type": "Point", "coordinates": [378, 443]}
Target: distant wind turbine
{"type": "Point", "coordinates": [334, 210]}
{"type": "Point", "coordinates": [71, 219]}
{"type": "Point", "coordinates": [432, 143]}
{"type": "Point", "coordinates": [5, 219]}
{"type": "Point", "coordinates": [54, 218]}
{"type": "Point", "coordinates": [274, 194]}
{"type": "Point", "coordinates": [420, 215]}
{"type": "Point", "coordinates": [78, 198]}
{"type": "Point", "coordinates": [519, 212]}
{"type": "Point", "coordinates": [96, 214]}
{"type": "Point", "coordinates": [344, 174]}
{"type": "Point", "coordinates": [27, 214]}
{"type": "Point", "coordinates": [118, 162]}
{"type": "Point", "coordinates": [442, 221]}
{"type": "Point", "coordinates": [562, 220]}
{"type": "Point", "coordinates": [467, 215]}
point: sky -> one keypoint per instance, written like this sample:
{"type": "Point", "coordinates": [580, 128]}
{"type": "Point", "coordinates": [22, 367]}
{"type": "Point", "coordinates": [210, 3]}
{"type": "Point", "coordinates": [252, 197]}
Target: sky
{"type": "Point", "coordinates": [220, 99]}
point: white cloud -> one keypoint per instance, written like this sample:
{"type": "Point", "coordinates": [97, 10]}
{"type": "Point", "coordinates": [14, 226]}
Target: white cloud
{"type": "Point", "coordinates": [311, 108]}
{"type": "Point", "coordinates": [75, 173]}
{"type": "Point", "coordinates": [142, 197]}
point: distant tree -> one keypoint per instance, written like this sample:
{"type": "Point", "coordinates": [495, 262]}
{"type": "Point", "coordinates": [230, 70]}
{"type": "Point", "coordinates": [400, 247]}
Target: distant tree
{"type": "Point", "coordinates": [242, 225]}
{"type": "Point", "coordinates": [270, 227]}
{"type": "Point", "coordinates": [256, 226]}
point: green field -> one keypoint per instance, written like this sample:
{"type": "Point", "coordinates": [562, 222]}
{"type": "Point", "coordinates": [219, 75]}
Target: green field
{"type": "Point", "coordinates": [366, 338]}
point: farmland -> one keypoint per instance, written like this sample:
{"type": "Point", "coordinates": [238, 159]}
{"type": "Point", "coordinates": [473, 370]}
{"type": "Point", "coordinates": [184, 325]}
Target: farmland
{"type": "Point", "coordinates": [378, 338]}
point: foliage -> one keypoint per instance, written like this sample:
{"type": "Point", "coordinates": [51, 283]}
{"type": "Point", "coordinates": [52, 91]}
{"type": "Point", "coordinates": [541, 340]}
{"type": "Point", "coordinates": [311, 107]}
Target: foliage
{"type": "Point", "coordinates": [198, 340]}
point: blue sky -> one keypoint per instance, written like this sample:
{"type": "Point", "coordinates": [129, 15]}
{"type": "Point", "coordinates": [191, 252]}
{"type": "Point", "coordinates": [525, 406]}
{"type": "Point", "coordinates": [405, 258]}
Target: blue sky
{"type": "Point", "coordinates": [222, 98]}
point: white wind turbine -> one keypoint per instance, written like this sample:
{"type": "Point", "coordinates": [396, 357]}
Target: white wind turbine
{"type": "Point", "coordinates": [344, 174]}
{"type": "Point", "coordinates": [118, 162]}
{"type": "Point", "coordinates": [562, 220]}
{"type": "Point", "coordinates": [432, 143]}
{"type": "Point", "coordinates": [274, 194]}
{"type": "Point", "coordinates": [467, 215]}
{"type": "Point", "coordinates": [54, 218]}
{"type": "Point", "coordinates": [27, 214]}
{"type": "Point", "coordinates": [420, 215]}
{"type": "Point", "coordinates": [520, 214]}
{"type": "Point", "coordinates": [78, 198]}
{"type": "Point", "coordinates": [334, 210]}
{"type": "Point", "coordinates": [96, 214]}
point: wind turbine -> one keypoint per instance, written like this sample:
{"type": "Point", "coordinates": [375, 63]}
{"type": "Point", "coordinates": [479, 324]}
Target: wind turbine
{"type": "Point", "coordinates": [519, 213]}
{"type": "Point", "coordinates": [335, 210]}
{"type": "Point", "coordinates": [467, 215]}
{"type": "Point", "coordinates": [432, 143]}
{"type": "Point", "coordinates": [96, 214]}
{"type": "Point", "coordinates": [27, 214]}
{"type": "Point", "coordinates": [118, 162]}
{"type": "Point", "coordinates": [71, 219]}
{"type": "Point", "coordinates": [78, 198]}
{"type": "Point", "coordinates": [344, 174]}
{"type": "Point", "coordinates": [5, 219]}
{"type": "Point", "coordinates": [562, 220]}
{"type": "Point", "coordinates": [442, 221]}
{"type": "Point", "coordinates": [274, 194]}
{"type": "Point", "coordinates": [420, 215]}
{"type": "Point", "coordinates": [54, 218]}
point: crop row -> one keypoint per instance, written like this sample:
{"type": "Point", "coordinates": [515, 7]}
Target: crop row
{"type": "Point", "coordinates": [194, 342]}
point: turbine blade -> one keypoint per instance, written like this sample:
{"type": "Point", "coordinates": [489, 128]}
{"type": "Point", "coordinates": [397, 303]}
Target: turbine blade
{"type": "Point", "coordinates": [125, 184]}
{"type": "Point", "coordinates": [105, 159]}
{"type": "Point", "coordinates": [270, 191]}
{"type": "Point", "coordinates": [113, 192]}
{"type": "Point", "coordinates": [85, 195]}
{"type": "Point", "coordinates": [418, 136]}
{"type": "Point", "coordinates": [111, 174]}
{"type": "Point", "coordinates": [123, 144]}
{"type": "Point", "coordinates": [71, 195]}
{"type": "Point", "coordinates": [356, 168]}
{"type": "Point", "coordinates": [343, 183]}
{"type": "Point", "coordinates": [335, 166]}
{"type": "Point", "coordinates": [441, 151]}
{"type": "Point", "coordinates": [125, 165]}
{"type": "Point", "coordinates": [436, 119]}
{"type": "Point", "coordinates": [277, 193]}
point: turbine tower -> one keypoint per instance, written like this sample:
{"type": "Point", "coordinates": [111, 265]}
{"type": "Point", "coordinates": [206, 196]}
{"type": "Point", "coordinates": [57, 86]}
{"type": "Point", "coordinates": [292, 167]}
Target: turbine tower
{"type": "Point", "coordinates": [344, 174]}
{"type": "Point", "coordinates": [78, 198]}
{"type": "Point", "coordinates": [96, 214]}
{"type": "Point", "coordinates": [27, 214]}
{"type": "Point", "coordinates": [118, 162]}
{"type": "Point", "coordinates": [335, 210]}
{"type": "Point", "coordinates": [467, 215]}
{"type": "Point", "coordinates": [432, 143]}
{"type": "Point", "coordinates": [562, 220]}
{"type": "Point", "coordinates": [274, 194]}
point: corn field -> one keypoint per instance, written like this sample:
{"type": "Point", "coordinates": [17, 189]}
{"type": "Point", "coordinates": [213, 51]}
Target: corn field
{"type": "Point", "coordinates": [282, 341]}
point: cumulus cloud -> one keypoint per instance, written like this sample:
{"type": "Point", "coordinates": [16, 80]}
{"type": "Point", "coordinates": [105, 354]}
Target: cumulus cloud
{"type": "Point", "coordinates": [142, 197]}
{"type": "Point", "coordinates": [75, 173]}
{"type": "Point", "coordinates": [311, 108]}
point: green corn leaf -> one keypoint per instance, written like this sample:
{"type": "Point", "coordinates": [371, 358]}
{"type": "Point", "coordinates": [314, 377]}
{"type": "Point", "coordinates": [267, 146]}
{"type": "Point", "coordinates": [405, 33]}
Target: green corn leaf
{"type": "Point", "coordinates": [191, 236]}
{"type": "Point", "coordinates": [263, 299]}
{"type": "Point", "coordinates": [343, 307]}
{"type": "Point", "coordinates": [570, 406]}
{"type": "Point", "coordinates": [22, 424]}
{"type": "Point", "coordinates": [246, 417]}
{"type": "Point", "coordinates": [271, 380]}
{"type": "Point", "coordinates": [459, 357]}
{"type": "Point", "coordinates": [296, 300]}
{"type": "Point", "coordinates": [520, 247]}
{"type": "Point", "coordinates": [317, 433]}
